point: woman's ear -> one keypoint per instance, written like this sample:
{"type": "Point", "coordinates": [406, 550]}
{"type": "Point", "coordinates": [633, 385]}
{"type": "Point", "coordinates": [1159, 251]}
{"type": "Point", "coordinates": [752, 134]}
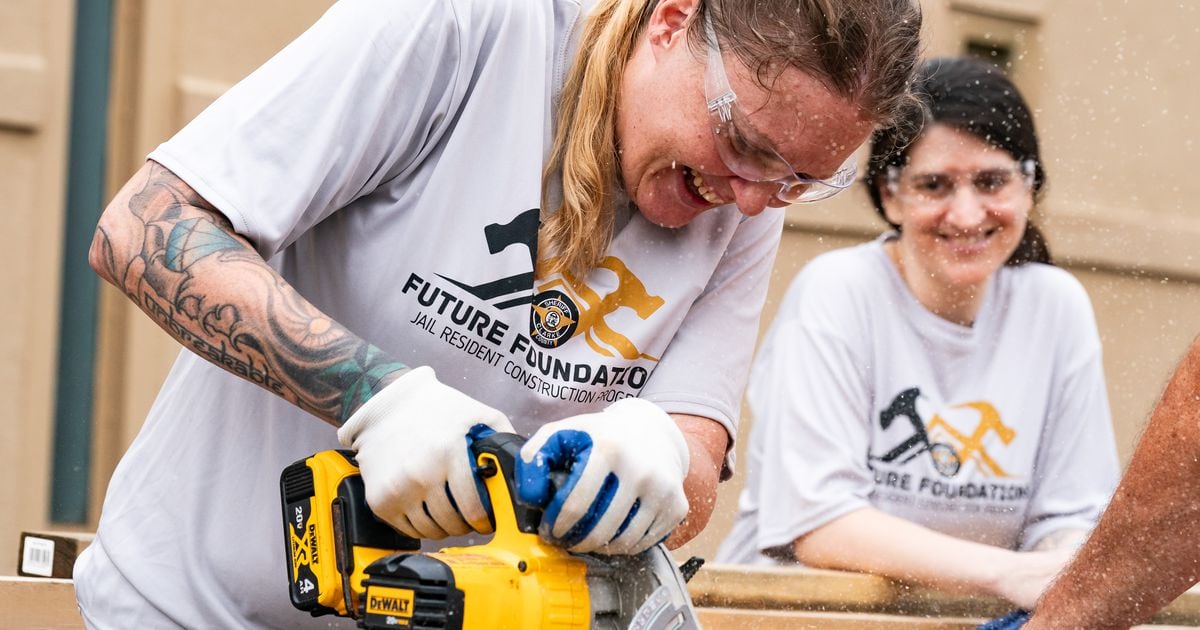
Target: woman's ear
{"type": "Point", "coordinates": [669, 22]}
{"type": "Point", "coordinates": [892, 208]}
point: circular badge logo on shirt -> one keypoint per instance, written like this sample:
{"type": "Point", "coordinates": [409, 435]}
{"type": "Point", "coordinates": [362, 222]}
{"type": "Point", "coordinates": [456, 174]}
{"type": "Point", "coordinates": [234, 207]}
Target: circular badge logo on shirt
{"type": "Point", "coordinates": [945, 459]}
{"type": "Point", "coordinates": [553, 318]}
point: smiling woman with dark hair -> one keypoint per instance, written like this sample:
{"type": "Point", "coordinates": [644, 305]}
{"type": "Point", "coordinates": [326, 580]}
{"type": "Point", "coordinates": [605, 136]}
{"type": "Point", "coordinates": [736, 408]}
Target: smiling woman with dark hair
{"type": "Point", "coordinates": [930, 406]}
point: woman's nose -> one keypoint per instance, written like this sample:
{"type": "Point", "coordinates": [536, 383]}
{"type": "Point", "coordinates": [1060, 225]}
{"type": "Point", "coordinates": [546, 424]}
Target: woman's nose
{"type": "Point", "coordinates": [966, 208]}
{"type": "Point", "coordinates": [752, 197]}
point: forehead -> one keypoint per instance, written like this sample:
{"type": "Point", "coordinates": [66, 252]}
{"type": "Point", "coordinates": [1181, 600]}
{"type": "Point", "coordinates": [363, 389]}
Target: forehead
{"type": "Point", "coordinates": [809, 125]}
{"type": "Point", "coordinates": [945, 148]}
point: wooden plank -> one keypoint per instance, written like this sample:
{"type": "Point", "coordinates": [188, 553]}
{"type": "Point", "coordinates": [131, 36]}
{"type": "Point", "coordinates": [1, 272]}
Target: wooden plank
{"type": "Point", "coordinates": [38, 603]}
{"type": "Point", "coordinates": [50, 554]}
{"type": "Point", "coordinates": [50, 603]}
{"type": "Point", "coordinates": [801, 588]}
{"type": "Point", "coordinates": [818, 590]}
{"type": "Point", "coordinates": [742, 619]}
{"type": "Point", "coordinates": [1184, 611]}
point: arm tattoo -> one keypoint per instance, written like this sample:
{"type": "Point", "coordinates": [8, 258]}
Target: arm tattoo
{"type": "Point", "coordinates": [180, 260]}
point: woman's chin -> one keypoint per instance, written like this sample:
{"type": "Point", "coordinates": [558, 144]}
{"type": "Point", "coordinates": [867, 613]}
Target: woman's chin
{"type": "Point", "coordinates": [667, 215]}
{"type": "Point", "coordinates": [968, 277]}
{"type": "Point", "coordinates": [672, 223]}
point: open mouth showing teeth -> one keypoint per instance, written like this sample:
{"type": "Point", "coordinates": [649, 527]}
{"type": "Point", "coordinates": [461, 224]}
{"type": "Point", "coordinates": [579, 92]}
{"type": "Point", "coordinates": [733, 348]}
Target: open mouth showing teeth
{"type": "Point", "coordinates": [969, 239]}
{"type": "Point", "coordinates": [695, 183]}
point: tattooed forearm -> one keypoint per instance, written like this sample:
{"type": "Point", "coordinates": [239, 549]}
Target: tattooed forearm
{"type": "Point", "coordinates": [165, 316]}
{"type": "Point", "coordinates": [181, 261]}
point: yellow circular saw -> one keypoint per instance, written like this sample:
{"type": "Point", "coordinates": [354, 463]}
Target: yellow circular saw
{"type": "Point", "coordinates": [342, 560]}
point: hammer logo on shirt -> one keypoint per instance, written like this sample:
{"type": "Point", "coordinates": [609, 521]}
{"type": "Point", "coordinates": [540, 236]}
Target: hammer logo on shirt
{"type": "Point", "coordinates": [588, 309]}
{"type": "Point", "coordinates": [563, 306]}
{"type": "Point", "coordinates": [928, 437]}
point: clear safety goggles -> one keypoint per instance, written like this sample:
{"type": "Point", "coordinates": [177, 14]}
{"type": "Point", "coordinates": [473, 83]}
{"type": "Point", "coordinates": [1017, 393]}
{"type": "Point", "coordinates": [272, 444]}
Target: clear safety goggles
{"type": "Point", "coordinates": [747, 152]}
{"type": "Point", "coordinates": [1002, 186]}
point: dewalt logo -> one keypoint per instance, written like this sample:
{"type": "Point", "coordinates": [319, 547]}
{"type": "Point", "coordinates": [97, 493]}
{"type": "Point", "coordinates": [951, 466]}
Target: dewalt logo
{"type": "Point", "coordinates": [395, 602]}
{"type": "Point", "coordinates": [301, 548]}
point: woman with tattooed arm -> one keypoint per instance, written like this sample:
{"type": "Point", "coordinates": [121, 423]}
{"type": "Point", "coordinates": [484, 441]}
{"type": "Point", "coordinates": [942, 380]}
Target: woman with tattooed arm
{"type": "Point", "coordinates": [424, 221]}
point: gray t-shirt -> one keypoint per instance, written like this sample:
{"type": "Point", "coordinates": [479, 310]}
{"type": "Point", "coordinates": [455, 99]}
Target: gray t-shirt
{"type": "Point", "coordinates": [998, 433]}
{"type": "Point", "coordinates": [388, 163]}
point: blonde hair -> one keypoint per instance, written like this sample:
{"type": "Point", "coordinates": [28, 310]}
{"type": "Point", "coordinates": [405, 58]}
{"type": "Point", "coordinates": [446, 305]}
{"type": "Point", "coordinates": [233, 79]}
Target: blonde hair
{"type": "Point", "coordinates": [577, 233]}
{"type": "Point", "coordinates": [863, 50]}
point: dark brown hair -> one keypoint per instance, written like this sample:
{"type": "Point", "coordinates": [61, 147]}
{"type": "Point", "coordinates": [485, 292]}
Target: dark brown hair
{"type": "Point", "coordinates": [975, 97]}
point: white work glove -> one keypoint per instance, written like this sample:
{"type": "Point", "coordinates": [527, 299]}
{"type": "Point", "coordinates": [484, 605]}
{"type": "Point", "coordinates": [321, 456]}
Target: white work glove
{"type": "Point", "coordinates": [413, 446]}
{"type": "Point", "coordinates": [622, 491]}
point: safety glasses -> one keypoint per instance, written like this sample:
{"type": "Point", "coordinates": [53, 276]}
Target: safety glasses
{"type": "Point", "coordinates": [747, 152]}
{"type": "Point", "coordinates": [1000, 187]}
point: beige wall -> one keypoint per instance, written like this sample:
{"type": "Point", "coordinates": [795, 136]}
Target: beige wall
{"type": "Point", "coordinates": [1112, 91]}
{"type": "Point", "coordinates": [35, 57]}
{"type": "Point", "coordinates": [171, 58]}
{"type": "Point", "coordinates": [1110, 83]}
{"type": "Point", "coordinates": [1145, 325]}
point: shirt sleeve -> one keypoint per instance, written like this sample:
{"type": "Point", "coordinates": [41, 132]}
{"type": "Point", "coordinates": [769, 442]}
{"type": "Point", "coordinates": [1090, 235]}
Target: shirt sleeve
{"type": "Point", "coordinates": [810, 398]}
{"type": "Point", "coordinates": [359, 98]}
{"type": "Point", "coordinates": [1076, 467]}
{"type": "Point", "coordinates": [704, 369]}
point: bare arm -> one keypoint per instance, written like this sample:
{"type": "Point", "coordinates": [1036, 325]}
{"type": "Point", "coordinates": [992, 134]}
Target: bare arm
{"type": "Point", "coordinates": [871, 541]}
{"type": "Point", "coordinates": [706, 440]}
{"type": "Point", "coordinates": [180, 261]}
{"type": "Point", "coordinates": [1144, 552]}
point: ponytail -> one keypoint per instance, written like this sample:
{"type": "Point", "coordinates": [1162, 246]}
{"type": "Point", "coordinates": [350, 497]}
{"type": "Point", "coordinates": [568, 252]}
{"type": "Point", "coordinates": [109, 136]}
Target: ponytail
{"type": "Point", "coordinates": [575, 236]}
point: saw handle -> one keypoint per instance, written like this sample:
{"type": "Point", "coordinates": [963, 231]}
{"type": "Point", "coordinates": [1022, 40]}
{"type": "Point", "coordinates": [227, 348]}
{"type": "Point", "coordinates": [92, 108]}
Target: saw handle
{"type": "Point", "coordinates": [506, 448]}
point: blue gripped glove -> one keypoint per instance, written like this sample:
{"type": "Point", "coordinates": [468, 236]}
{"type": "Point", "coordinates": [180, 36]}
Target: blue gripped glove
{"type": "Point", "coordinates": [413, 441]}
{"type": "Point", "coordinates": [1011, 621]}
{"type": "Point", "coordinates": [624, 470]}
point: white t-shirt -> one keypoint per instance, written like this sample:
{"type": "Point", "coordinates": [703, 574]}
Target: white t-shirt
{"type": "Point", "coordinates": [388, 164]}
{"type": "Point", "coordinates": [998, 433]}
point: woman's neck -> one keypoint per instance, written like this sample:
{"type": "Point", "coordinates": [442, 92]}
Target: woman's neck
{"type": "Point", "coordinates": [957, 304]}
